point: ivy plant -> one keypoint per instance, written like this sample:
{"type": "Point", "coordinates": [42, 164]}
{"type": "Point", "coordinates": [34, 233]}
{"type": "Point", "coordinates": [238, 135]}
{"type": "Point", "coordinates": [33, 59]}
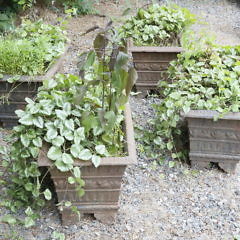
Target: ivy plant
{"type": "Point", "coordinates": [31, 48]}
{"type": "Point", "coordinates": [158, 25]}
{"type": "Point", "coordinates": [201, 80]}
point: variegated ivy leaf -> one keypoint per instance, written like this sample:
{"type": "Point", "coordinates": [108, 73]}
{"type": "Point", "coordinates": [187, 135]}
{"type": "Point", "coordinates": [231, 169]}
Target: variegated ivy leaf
{"type": "Point", "coordinates": [54, 153]}
{"type": "Point", "coordinates": [67, 158]}
{"type": "Point", "coordinates": [101, 149]}
{"type": "Point", "coordinates": [96, 160]}
{"type": "Point", "coordinates": [85, 154]}
{"type": "Point", "coordinates": [58, 141]}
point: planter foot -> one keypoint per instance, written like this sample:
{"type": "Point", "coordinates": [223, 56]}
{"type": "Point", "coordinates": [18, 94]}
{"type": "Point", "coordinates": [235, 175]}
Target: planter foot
{"type": "Point", "coordinates": [200, 164]}
{"type": "Point", "coordinates": [228, 167]}
{"type": "Point", "coordinates": [106, 217]}
{"type": "Point", "coordinates": [143, 92]}
{"type": "Point", "coordinates": [69, 217]}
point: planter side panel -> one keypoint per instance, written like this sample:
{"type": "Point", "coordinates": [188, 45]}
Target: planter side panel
{"type": "Point", "coordinates": [151, 68]}
{"type": "Point", "coordinates": [214, 141]}
{"type": "Point", "coordinates": [102, 190]}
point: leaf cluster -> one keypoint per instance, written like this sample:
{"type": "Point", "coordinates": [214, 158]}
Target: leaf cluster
{"type": "Point", "coordinates": [158, 25]}
{"type": "Point", "coordinates": [201, 80]}
{"type": "Point", "coordinates": [31, 48]}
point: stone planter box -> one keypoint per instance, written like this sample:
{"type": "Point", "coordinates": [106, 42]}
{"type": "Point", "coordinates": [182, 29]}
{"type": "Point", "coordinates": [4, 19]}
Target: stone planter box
{"type": "Point", "coordinates": [102, 184]}
{"type": "Point", "coordinates": [151, 64]}
{"type": "Point", "coordinates": [13, 94]}
{"type": "Point", "coordinates": [214, 141]}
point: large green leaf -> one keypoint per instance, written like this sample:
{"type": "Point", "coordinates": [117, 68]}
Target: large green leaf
{"type": "Point", "coordinates": [100, 43]}
{"type": "Point", "coordinates": [132, 78]}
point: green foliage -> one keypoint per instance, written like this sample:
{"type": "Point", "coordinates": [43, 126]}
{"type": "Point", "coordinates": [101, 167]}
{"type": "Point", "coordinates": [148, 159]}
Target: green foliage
{"type": "Point", "coordinates": [158, 25]}
{"type": "Point", "coordinates": [203, 80]}
{"type": "Point", "coordinates": [31, 48]}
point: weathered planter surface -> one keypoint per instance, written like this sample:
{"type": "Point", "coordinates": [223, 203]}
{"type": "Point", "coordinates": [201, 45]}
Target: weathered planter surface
{"type": "Point", "coordinates": [214, 141]}
{"type": "Point", "coordinates": [13, 94]}
{"type": "Point", "coordinates": [151, 64]}
{"type": "Point", "coordinates": [102, 184]}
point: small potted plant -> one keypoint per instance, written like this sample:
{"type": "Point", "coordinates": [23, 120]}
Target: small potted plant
{"type": "Point", "coordinates": [81, 130]}
{"type": "Point", "coordinates": [154, 39]}
{"type": "Point", "coordinates": [29, 54]}
{"type": "Point", "coordinates": [205, 92]}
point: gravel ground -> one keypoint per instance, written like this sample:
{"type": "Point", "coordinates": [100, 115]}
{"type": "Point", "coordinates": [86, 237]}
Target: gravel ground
{"type": "Point", "coordinates": [157, 202]}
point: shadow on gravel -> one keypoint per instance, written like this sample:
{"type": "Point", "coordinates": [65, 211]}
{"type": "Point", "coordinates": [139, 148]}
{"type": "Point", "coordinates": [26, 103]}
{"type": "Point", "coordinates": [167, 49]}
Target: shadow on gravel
{"type": "Point", "coordinates": [237, 2]}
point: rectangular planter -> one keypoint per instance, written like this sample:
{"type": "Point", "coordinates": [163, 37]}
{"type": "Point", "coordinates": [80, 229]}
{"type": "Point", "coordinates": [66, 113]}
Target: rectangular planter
{"type": "Point", "coordinates": [102, 184]}
{"type": "Point", "coordinates": [151, 64]}
{"type": "Point", "coordinates": [214, 141]}
{"type": "Point", "coordinates": [16, 92]}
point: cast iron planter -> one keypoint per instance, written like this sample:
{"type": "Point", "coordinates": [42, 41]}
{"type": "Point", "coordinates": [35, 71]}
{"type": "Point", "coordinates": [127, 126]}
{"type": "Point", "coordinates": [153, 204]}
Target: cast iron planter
{"type": "Point", "coordinates": [103, 184]}
{"type": "Point", "coordinates": [16, 92]}
{"type": "Point", "coordinates": [214, 141]}
{"type": "Point", "coordinates": [151, 64]}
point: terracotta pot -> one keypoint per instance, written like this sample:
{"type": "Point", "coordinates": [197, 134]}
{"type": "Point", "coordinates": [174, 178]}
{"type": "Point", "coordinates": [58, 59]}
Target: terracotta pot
{"type": "Point", "coordinates": [102, 184]}
{"type": "Point", "coordinates": [214, 141]}
{"type": "Point", "coordinates": [151, 64]}
{"type": "Point", "coordinates": [16, 92]}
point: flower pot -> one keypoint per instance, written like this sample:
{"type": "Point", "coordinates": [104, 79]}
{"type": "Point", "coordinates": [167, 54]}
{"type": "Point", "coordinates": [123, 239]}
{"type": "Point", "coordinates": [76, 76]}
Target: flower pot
{"type": "Point", "coordinates": [13, 94]}
{"type": "Point", "coordinates": [151, 64]}
{"type": "Point", "coordinates": [102, 184]}
{"type": "Point", "coordinates": [214, 141]}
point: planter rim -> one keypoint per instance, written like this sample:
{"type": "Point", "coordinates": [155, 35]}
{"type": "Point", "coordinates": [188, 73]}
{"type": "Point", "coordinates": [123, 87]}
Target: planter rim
{"type": "Point", "coordinates": [155, 49]}
{"type": "Point", "coordinates": [132, 48]}
{"type": "Point", "coordinates": [130, 158]}
{"type": "Point", "coordinates": [210, 114]}
{"type": "Point", "coordinates": [53, 68]}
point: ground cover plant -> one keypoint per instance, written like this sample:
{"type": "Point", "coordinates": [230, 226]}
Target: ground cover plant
{"type": "Point", "coordinates": [158, 25]}
{"type": "Point", "coordinates": [201, 80]}
{"type": "Point", "coordinates": [31, 48]}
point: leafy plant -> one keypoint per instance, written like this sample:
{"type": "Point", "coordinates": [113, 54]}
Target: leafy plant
{"type": "Point", "coordinates": [72, 118]}
{"type": "Point", "coordinates": [207, 79]}
{"type": "Point", "coordinates": [81, 6]}
{"type": "Point", "coordinates": [158, 25]}
{"type": "Point", "coordinates": [31, 48]}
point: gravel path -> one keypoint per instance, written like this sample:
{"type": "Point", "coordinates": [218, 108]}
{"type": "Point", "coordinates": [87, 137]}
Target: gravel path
{"type": "Point", "coordinates": [157, 202]}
